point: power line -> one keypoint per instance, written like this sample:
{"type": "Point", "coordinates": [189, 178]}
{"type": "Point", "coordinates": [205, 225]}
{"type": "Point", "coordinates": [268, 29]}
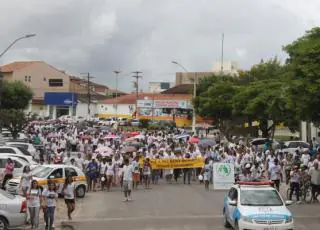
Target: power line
{"type": "Point", "coordinates": [136, 85]}
{"type": "Point", "coordinates": [88, 78]}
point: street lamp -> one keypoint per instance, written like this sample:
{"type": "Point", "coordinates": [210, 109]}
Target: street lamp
{"type": "Point", "coordinates": [194, 95]}
{"type": "Point", "coordinates": [117, 74]}
{"type": "Point", "coordinates": [15, 41]}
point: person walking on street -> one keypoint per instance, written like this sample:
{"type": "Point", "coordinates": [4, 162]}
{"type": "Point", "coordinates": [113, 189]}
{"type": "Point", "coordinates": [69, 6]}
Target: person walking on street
{"type": "Point", "coordinates": [25, 181]}
{"type": "Point", "coordinates": [295, 183]}
{"type": "Point", "coordinates": [147, 169]}
{"type": "Point", "coordinates": [127, 180]}
{"type": "Point", "coordinates": [34, 203]}
{"type": "Point", "coordinates": [8, 172]}
{"type": "Point", "coordinates": [69, 195]}
{"type": "Point", "coordinates": [314, 173]}
{"type": "Point", "coordinates": [275, 173]}
{"type": "Point", "coordinates": [50, 197]}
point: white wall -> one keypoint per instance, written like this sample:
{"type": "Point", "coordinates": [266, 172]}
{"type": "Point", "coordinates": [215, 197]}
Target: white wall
{"type": "Point", "coordinates": [82, 109]}
{"type": "Point", "coordinates": [123, 109]}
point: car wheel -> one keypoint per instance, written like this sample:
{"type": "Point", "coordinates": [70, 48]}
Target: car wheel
{"type": "Point", "coordinates": [3, 224]}
{"type": "Point", "coordinates": [81, 191]}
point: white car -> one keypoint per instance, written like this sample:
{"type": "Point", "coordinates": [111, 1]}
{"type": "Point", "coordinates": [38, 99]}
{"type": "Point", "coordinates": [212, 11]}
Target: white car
{"type": "Point", "coordinates": [292, 146]}
{"type": "Point", "coordinates": [57, 173]}
{"type": "Point", "coordinates": [256, 205]}
{"type": "Point", "coordinates": [29, 147]}
{"type": "Point", "coordinates": [32, 163]}
{"type": "Point", "coordinates": [15, 150]}
{"type": "Point", "coordinates": [13, 211]}
{"type": "Point", "coordinates": [135, 122]}
{"type": "Point", "coordinates": [19, 164]}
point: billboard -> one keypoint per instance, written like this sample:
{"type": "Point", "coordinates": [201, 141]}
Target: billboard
{"type": "Point", "coordinates": [60, 99]}
{"type": "Point", "coordinates": [164, 104]}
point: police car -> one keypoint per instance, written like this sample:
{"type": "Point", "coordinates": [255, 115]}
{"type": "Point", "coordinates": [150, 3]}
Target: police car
{"type": "Point", "coordinates": [256, 205]}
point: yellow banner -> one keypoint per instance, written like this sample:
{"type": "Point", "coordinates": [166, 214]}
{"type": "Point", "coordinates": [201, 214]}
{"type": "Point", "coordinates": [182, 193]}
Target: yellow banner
{"type": "Point", "coordinates": [176, 163]}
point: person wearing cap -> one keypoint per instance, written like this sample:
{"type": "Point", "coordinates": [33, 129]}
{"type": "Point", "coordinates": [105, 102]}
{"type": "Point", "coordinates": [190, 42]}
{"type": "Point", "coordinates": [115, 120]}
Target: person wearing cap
{"type": "Point", "coordinates": [295, 183]}
{"type": "Point", "coordinates": [246, 174]}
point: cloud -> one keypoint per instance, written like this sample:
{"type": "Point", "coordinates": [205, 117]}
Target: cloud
{"type": "Point", "coordinates": [99, 36]}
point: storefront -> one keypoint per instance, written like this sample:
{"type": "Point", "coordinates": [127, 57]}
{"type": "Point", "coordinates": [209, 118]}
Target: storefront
{"type": "Point", "coordinates": [179, 111]}
{"type": "Point", "coordinates": [60, 104]}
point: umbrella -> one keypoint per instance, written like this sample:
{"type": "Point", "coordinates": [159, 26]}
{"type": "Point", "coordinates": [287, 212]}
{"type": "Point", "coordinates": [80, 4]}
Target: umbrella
{"type": "Point", "coordinates": [134, 134]}
{"type": "Point", "coordinates": [194, 140]}
{"type": "Point", "coordinates": [205, 143]}
{"type": "Point", "coordinates": [129, 149]}
{"type": "Point", "coordinates": [111, 136]}
{"type": "Point", "coordinates": [184, 136]}
{"type": "Point", "coordinates": [104, 149]}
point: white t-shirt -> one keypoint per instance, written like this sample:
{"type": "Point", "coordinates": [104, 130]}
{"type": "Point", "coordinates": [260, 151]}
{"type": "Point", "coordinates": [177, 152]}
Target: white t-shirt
{"type": "Point", "coordinates": [26, 180]}
{"type": "Point", "coordinates": [69, 191]}
{"type": "Point", "coordinates": [275, 172]}
{"type": "Point", "coordinates": [110, 170]}
{"type": "Point", "coordinates": [103, 167]}
{"type": "Point", "coordinates": [34, 198]}
{"type": "Point", "coordinates": [127, 172]}
{"type": "Point", "coordinates": [305, 158]}
{"type": "Point", "coordinates": [51, 197]}
{"type": "Point", "coordinates": [79, 162]}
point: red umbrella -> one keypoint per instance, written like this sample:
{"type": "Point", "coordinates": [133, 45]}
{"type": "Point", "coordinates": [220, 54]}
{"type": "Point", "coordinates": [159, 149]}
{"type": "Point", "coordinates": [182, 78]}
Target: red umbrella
{"type": "Point", "coordinates": [194, 140]}
{"type": "Point", "coordinates": [135, 134]}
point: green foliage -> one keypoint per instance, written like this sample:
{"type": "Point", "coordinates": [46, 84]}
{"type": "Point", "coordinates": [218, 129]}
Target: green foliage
{"type": "Point", "coordinates": [15, 120]}
{"type": "Point", "coordinates": [303, 67]}
{"type": "Point", "coordinates": [15, 95]}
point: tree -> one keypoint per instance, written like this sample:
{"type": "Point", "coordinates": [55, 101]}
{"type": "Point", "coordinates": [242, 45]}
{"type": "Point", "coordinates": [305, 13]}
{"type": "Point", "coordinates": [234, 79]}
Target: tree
{"type": "Point", "coordinates": [15, 95]}
{"type": "Point", "coordinates": [14, 99]}
{"type": "Point", "coordinates": [14, 120]}
{"type": "Point", "coordinates": [304, 75]}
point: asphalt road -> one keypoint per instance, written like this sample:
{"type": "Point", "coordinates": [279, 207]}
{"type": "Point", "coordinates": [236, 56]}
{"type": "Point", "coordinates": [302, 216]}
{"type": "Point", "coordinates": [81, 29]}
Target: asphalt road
{"type": "Point", "coordinates": [166, 207]}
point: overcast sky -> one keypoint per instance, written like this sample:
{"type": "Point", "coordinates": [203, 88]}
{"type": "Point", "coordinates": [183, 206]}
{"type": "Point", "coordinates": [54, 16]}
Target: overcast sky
{"type": "Point", "coordinates": [99, 36]}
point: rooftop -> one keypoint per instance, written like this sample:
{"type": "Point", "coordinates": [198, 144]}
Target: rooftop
{"type": "Point", "coordinates": [15, 66]}
{"type": "Point", "coordinates": [180, 89]}
{"type": "Point", "coordinates": [131, 98]}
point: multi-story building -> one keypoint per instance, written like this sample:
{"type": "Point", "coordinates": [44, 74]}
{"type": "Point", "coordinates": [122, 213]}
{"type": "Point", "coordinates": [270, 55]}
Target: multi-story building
{"type": "Point", "coordinates": [158, 87]}
{"type": "Point", "coordinates": [228, 67]}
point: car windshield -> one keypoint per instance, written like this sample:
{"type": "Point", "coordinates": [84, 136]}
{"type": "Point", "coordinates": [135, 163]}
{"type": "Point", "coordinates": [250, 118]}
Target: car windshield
{"type": "Point", "coordinates": [24, 151]}
{"type": "Point", "coordinates": [19, 145]}
{"type": "Point", "coordinates": [260, 198]}
{"type": "Point", "coordinates": [41, 171]}
{"type": "Point", "coordinates": [6, 194]}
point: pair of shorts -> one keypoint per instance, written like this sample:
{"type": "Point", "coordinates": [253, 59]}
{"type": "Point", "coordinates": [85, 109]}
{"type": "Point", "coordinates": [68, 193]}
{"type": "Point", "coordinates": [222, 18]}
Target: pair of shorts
{"type": "Point", "coordinates": [136, 177]}
{"type": "Point", "coordinates": [127, 185]}
{"type": "Point", "coordinates": [69, 201]}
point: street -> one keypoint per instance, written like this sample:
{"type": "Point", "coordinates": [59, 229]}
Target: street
{"type": "Point", "coordinates": [174, 206]}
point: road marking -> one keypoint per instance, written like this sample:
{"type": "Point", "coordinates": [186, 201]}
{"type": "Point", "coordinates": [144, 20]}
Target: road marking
{"type": "Point", "coordinates": [166, 218]}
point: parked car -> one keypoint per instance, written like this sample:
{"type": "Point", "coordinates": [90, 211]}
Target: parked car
{"type": "Point", "coordinates": [107, 121]}
{"type": "Point", "coordinates": [292, 146]}
{"type": "Point", "coordinates": [260, 142]}
{"type": "Point", "coordinates": [13, 211]}
{"type": "Point", "coordinates": [29, 147]}
{"type": "Point", "coordinates": [123, 121]}
{"type": "Point", "coordinates": [57, 173]}
{"type": "Point", "coordinates": [135, 122]}
{"type": "Point", "coordinates": [15, 150]}
{"type": "Point", "coordinates": [19, 164]}
{"type": "Point", "coordinates": [32, 163]}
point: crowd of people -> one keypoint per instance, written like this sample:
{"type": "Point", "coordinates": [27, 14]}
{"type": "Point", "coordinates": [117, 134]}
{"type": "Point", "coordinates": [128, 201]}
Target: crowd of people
{"type": "Point", "coordinates": [114, 158]}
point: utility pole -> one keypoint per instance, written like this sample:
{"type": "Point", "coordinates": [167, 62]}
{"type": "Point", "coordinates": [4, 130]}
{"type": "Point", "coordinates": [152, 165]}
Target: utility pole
{"type": "Point", "coordinates": [222, 52]}
{"type": "Point", "coordinates": [136, 84]}
{"type": "Point", "coordinates": [117, 73]}
{"type": "Point", "coordinates": [88, 78]}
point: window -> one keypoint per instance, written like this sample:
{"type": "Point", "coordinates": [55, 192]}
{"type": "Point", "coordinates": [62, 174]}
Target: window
{"type": "Point", "coordinates": [29, 78]}
{"type": "Point", "coordinates": [56, 173]}
{"type": "Point", "coordinates": [7, 150]}
{"type": "Point", "coordinates": [71, 171]}
{"type": "Point", "coordinates": [55, 82]}
{"type": "Point", "coordinates": [17, 164]}
{"type": "Point", "coordinates": [24, 151]}
{"type": "Point", "coordinates": [25, 78]}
